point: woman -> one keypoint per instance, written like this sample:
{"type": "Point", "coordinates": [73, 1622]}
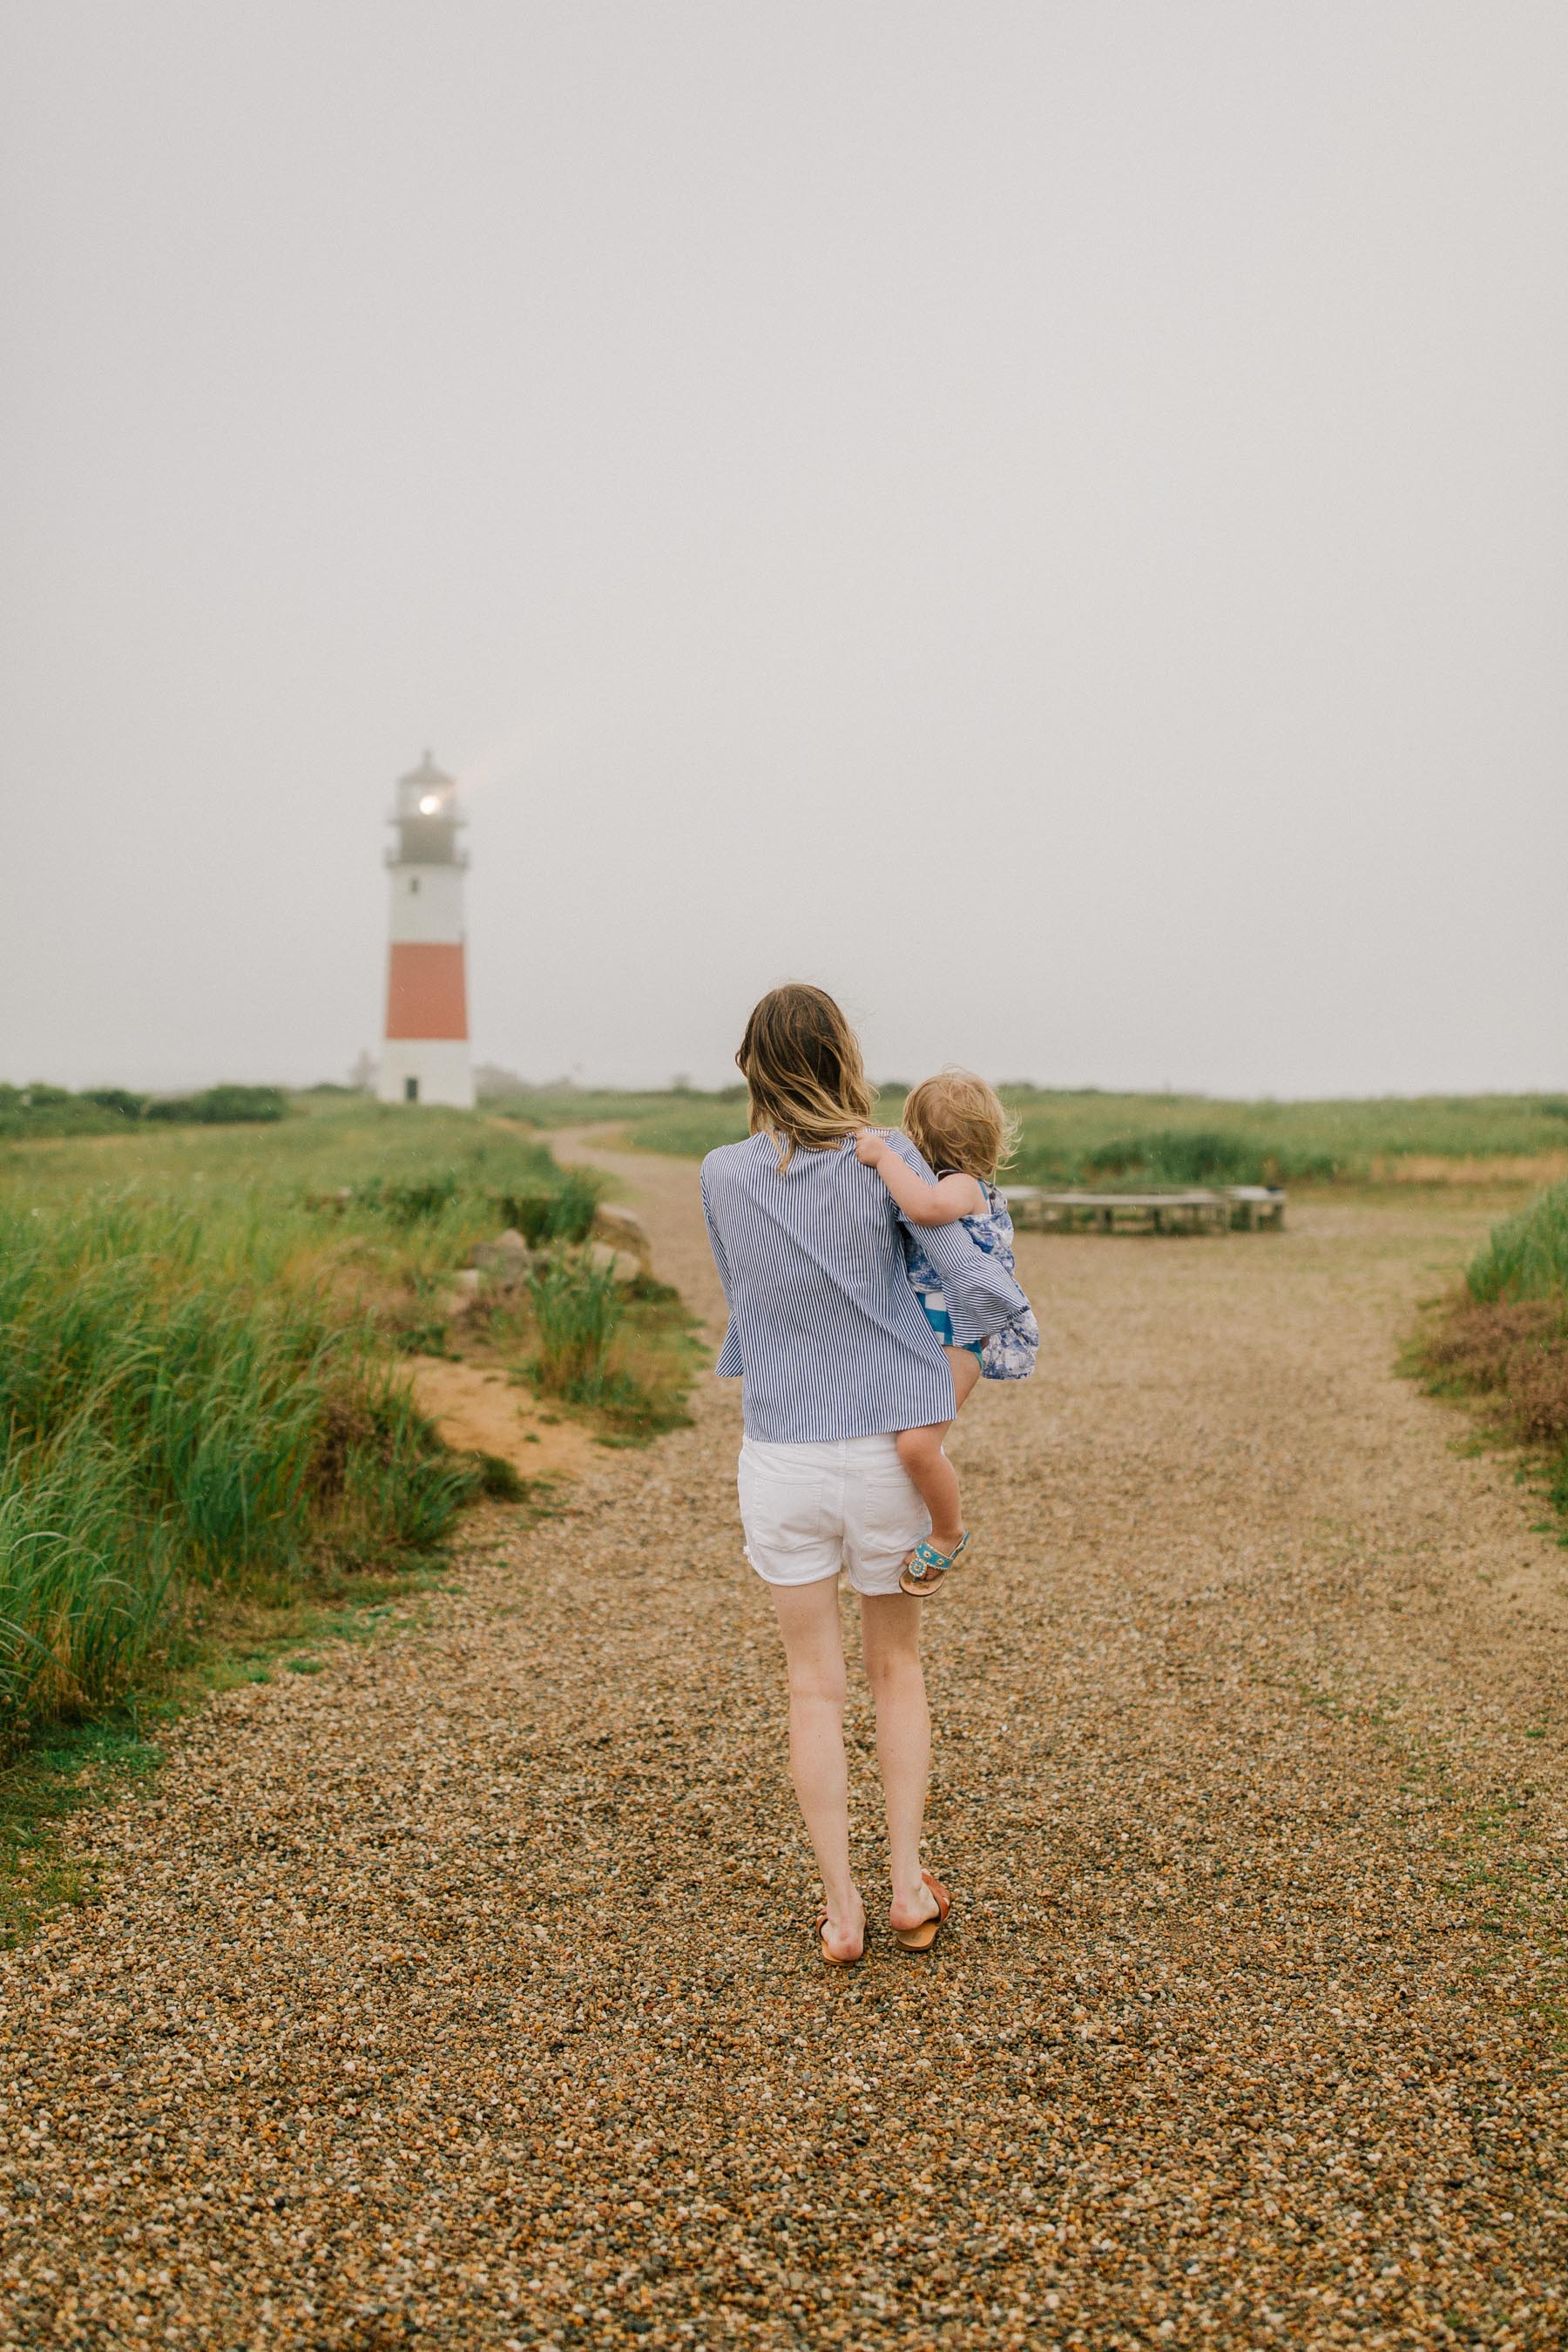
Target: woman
{"type": "Point", "coordinates": [836, 1355]}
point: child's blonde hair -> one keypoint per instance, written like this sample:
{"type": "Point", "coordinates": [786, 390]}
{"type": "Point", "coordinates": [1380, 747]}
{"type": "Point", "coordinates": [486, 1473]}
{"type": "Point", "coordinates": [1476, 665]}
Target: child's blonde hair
{"type": "Point", "coordinates": [956, 1121]}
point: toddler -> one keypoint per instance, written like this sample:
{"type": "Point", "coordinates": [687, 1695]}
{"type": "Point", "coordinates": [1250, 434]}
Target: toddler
{"type": "Point", "coordinates": [961, 1130]}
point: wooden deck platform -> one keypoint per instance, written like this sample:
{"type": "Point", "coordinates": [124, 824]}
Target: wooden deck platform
{"type": "Point", "coordinates": [1234, 1208]}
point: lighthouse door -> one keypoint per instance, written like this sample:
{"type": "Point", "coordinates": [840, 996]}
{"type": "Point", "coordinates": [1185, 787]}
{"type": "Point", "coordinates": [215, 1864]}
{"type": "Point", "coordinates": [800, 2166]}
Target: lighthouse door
{"type": "Point", "coordinates": [410, 1090]}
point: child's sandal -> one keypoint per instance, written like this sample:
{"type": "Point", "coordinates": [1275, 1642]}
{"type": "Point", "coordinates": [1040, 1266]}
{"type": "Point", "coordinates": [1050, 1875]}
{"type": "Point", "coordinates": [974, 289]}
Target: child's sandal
{"type": "Point", "coordinates": [928, 1568]}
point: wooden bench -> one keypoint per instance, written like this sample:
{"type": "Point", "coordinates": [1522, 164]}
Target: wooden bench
{"type": "Point", "coordinates": [1237, 1208]}
{"type": "Point", "coordinates": [1256, 1208]}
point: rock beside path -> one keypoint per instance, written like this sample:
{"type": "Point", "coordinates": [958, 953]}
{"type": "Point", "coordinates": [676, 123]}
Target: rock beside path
{"type": "Point", "coordinates": [622, 1229]}
{"type": "Point", "coordinates": [503, 1263]}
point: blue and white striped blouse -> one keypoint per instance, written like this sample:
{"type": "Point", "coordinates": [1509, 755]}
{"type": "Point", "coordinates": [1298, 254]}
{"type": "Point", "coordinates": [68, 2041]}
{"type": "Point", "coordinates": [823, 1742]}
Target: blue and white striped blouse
{"type": "Point", "coordinates": [825, 1331]}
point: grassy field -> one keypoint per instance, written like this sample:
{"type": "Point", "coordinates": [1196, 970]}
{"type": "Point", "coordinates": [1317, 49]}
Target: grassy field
{"type": "Point", "coordinates": [1087, 1136]}
{"type": "Point", "coordinates": [198, 1378]}
{"type": "Point", "coordinates": [1504, 1340]}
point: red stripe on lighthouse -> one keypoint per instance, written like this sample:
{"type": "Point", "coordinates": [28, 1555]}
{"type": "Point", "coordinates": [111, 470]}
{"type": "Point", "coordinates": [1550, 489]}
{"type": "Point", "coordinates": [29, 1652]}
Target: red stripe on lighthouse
{"type": "Point", "coordinates": [425, 994]}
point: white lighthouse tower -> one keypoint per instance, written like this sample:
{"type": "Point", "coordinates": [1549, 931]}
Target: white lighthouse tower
{"type": "Point", "coordinates": [426, 1056]}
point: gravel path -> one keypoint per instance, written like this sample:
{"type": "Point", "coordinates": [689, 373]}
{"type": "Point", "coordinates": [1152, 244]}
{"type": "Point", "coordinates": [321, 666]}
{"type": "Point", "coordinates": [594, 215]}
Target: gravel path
{"type": "Point", "coordinates": [463, 1994]}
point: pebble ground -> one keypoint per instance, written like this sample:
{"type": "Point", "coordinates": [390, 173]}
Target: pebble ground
{"type": "Point", "coordinates": [464, 1993]}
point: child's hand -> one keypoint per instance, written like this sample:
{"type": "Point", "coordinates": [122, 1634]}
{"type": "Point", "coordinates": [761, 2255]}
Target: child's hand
{"type": "Point", "coordinates": [869, 1147]}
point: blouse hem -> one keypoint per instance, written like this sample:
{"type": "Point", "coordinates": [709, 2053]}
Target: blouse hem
{"type": "Point", "coordinates": [825, 1436]}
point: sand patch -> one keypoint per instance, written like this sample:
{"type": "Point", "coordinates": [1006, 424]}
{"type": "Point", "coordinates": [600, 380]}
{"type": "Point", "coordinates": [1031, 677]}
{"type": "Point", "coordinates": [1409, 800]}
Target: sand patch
{"type": "Point", "coordinates": [478, 1409]}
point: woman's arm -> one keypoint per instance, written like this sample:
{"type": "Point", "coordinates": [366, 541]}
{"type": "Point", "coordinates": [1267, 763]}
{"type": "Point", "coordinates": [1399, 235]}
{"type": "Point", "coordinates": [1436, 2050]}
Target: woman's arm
{"type": "Point", "coordinates": [720, 1260]}
{"type": "Point", "coordinates": [941, 1203]}
{"type": "Point", "coordinates": [731, 1365]}
{"type": "Point", "coordinates": [981, 1295]}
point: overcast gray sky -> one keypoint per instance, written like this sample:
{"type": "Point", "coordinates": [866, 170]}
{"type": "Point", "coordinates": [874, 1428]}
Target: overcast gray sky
{"type": "Point", "coordinates": [1048, 520]}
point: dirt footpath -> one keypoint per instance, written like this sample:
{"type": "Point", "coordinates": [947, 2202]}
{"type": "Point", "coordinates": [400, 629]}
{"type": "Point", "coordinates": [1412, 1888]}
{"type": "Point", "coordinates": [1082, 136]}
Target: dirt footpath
{"type": "Point", "coordinates": [464, 1994]}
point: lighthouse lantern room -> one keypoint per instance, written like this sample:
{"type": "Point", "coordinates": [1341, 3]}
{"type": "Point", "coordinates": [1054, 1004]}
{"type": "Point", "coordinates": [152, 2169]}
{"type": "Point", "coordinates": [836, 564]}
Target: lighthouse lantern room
{"type": "Point", "coordinates": [426, 1056]}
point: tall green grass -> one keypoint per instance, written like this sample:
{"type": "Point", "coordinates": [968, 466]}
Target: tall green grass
{"type": "Point", "coordinates": [85, 1578]}
{"type": "Point", "coordinates": [174, 1415]}
{"type": "Point", "coordinates": [198, 1393]}
{"type": "Point", "coordinates": [1526, 1256]}
{"type": "Point", "coordinates": [625, 1351]}
{"type": "Point", "coordinates": [577, 1312]}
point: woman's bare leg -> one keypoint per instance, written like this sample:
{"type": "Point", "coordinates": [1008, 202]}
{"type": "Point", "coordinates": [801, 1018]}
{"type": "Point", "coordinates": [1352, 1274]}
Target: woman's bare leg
{"type": "Point", "coordinates": [890, 1641]}
{"type": "Point", "coordinates": [814, 1650]}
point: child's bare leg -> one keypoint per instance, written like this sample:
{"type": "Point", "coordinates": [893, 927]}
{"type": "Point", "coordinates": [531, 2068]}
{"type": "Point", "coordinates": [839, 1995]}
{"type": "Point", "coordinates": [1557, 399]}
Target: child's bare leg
{"type": "Point", "coordinates": [920, 1450]}
{"type": "Point", "coordinates": [934, 1477]}
{"type": "Point", "coordinates": [965, 1370]}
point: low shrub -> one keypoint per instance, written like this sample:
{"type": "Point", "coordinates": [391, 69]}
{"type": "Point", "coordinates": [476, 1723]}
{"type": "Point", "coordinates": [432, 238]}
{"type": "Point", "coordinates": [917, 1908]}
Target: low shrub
{"type": "Point", "coordinates": [1514, 1349]}
{"type": "Point", "coordinates": [44, 1110]}
{"type": "Point", "coordinates": [549, 1206]}
{"type": "Point", "coordinates": [37, 1112]}
{"type": "Point", "coordinates": [1160, 1158]}
{"type": "Point", "coordinates": [407, 1203]}
{"type": "Point", "coordinates": [116, 1099]}
{"type": "Point", "coordinates": [221, 1107]}
{"type": "Point", "coordinates": [1505, 1338]}
{"type": "Point", "coordinates": [564, 1214]}
{"type": "Point", "coordinates": [532, 1214]}
{"type": "Point", "coordinates": [1184, 1156]}
{"type": "Point", "coordinates": [498, 1479]}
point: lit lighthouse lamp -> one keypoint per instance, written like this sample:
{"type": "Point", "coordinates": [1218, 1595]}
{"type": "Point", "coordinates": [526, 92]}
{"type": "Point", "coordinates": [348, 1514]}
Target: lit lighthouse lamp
{"type": "Point", "coordinates": [426, 1056]}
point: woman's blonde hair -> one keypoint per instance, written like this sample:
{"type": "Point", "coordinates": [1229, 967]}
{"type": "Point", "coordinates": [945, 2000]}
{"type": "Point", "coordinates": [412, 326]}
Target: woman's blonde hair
{"type": "Point", "coordinates": [956, 1121]}
{"type": "Point", "coordinates": [801, 1061]}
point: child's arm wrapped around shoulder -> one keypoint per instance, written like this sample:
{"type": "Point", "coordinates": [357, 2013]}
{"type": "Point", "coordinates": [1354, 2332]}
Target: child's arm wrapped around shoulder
{"type": "Point", "coordinates": [918, 1201]}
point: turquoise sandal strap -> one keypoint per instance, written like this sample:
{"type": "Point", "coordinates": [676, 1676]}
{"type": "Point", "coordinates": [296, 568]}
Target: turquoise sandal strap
{"type": "Point", "coordinates": [930, 1558]}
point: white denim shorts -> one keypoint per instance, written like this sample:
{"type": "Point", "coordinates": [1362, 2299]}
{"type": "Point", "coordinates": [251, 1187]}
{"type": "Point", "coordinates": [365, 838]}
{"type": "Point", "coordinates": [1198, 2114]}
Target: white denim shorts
{"type": "Point", "coordinates": [810, 1510]}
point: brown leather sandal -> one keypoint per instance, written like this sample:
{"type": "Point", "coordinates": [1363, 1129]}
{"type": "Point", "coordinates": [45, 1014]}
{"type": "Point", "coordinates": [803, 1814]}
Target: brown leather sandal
{"type": "Point", "coordinates": [832, 1959]}
{"type": "Point", "coordinates": [922, 1938]}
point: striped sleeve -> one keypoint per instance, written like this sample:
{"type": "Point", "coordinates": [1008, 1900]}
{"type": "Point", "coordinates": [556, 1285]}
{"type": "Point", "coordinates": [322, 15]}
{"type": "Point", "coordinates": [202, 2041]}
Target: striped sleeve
{"type": "Point", "coordinates": [729, 1366]}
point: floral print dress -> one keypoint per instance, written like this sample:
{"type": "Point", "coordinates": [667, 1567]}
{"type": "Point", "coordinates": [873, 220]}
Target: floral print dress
{"type": "Point", "coordinates": [1010, 1354]}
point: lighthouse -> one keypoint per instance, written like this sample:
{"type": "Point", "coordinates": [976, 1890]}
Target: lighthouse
{"type": "Point", "coordinates": [426, 1056]}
